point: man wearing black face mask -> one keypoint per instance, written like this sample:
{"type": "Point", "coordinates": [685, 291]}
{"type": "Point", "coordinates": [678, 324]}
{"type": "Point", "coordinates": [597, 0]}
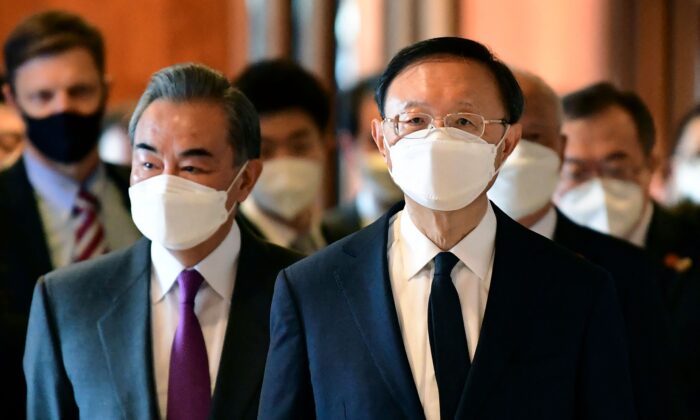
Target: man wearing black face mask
{"type": "Point", "coordinates": [60, 203]}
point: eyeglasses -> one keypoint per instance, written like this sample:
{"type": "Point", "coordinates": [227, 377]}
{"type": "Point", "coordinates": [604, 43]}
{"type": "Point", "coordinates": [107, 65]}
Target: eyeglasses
{"type": "Point", "coordinates": [578, 170]}
{"type": "Point", "coordinates": [406, 124]}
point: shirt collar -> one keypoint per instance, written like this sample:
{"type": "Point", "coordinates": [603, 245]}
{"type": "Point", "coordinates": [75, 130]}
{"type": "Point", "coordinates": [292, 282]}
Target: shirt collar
{"type": "Point", "coordinates": [218, 268]}
{"type": "Point", "coordinates": [639, 234]}
{"type": "Point", "coordinates": [474, 250]}
{"type": "Point", "coordinates": [547, 224]}
{"type": "Point", "coordinates": [277, 232]}
{"type": "Point", "coordinates": [56, 189]}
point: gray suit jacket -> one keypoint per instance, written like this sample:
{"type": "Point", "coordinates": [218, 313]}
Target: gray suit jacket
{"type": "Point", "coordinates": [88, 352]}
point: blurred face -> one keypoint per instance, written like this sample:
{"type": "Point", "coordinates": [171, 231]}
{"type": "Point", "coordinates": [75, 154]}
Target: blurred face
{"type": "Point", "coordinates": [540, 120]}
{"type": "Point", "coordinates": [445, 86]}
{"type": "Point", "coordinates": [290, 133]}
{"type": "Point", "coordinates": [66, 82]}
{"type": "Point", "coordinates": [689, 143]}
{"type": "Point", "coordinates": [604, 145]}
{"type": "Point", "coordinates": [188, 140]}
{"type": "Point", "coordinates": [11, 132]}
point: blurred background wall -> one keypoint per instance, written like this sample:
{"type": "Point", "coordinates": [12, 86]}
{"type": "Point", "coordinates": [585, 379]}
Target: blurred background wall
{"type": "Point", "coordinates": [649, 46]}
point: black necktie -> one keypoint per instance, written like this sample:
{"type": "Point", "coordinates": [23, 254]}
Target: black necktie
{"type": "Point", "coordinates": [448, 342]}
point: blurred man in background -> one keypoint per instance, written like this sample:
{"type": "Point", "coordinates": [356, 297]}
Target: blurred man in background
{"type": "Point", "coordinates": [285, 205]}
{"type": "Point", "coordinates": [523, 190]}
{"type": "Point", "coordinates": [604, 185]}
{"type": "Point", "coordinates": [62, 204]}
{"type": "Point", "coordinates": [11, 132]}
{"type": "Point", "coordinates": [365, 170]}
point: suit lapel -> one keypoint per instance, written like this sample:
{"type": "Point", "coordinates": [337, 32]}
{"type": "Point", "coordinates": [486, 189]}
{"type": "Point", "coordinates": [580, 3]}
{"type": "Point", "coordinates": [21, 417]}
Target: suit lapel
{"type": "Point", "coordinates": [241, 369]}
{"type": "Point", "coordinates": [125, 333]}
{"type": "Point", "coordinates": [505, 319]}
{"type": "Point", "coordinates": [22, 207]}
{"type": "Point", "coordinates": [364, 281]}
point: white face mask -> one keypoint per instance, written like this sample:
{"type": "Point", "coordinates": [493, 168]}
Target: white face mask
{"type": "Point", "coordinates": [445, 171]}
{"type": "Point", "coordinates": [288, 185]}
{"type": "Point", "coordinates": [177, 213]}
{"type": "Point", "coordinates": [527, 180]}
{"type": "Point", "coordinates": [687, 179]}
{"type": "Point", "coordinates": [377, 179]}
{"type": "Point", "coordinates": [607, 205]}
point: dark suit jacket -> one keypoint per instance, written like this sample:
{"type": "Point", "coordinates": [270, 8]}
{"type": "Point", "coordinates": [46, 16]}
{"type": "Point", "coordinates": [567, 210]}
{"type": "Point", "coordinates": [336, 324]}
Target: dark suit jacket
{"type": "Point", "coordinates": [551, 344]}
{"type": "Point", "coordinates": [671, 238]}
{"type": "Point", "coordinates": [641, 300]}
{"type": "Point", "coordinates": [24, 256]}
{"type": "Point", "coordinates": [89, 341]}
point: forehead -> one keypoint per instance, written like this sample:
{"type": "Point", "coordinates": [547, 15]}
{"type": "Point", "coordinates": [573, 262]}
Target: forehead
{"type": "Point", "coordinates": [187, 124]}
{"type": "Point", "coordinates": [281, 125]}
{"type": "Point", "coordinates": [446, 84]}
{"type": "Point", "coordinates": [598, 135]}
{"type": "Point", "coordinates": [541, 108]}
{"type": "Point", "coordinates": [75, 65]}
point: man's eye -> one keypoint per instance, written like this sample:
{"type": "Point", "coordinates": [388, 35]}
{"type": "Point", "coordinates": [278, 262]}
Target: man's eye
{"type": "Point", "coordinates": [190, 169]}
{"type": "Point", "coordinates": [148, 165]}
{"type": "Point", "coordinates": [464, 122]}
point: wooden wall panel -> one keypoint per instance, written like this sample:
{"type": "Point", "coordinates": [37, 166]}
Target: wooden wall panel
{"type": "Point", "coordinates": [147, 35]}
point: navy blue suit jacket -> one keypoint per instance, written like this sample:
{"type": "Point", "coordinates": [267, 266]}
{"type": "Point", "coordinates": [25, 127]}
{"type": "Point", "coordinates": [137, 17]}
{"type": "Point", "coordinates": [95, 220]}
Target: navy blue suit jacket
{"type": "Point", "coordinates": [89, 352]}
{"type": "Point", "coordinates": [551, 344]}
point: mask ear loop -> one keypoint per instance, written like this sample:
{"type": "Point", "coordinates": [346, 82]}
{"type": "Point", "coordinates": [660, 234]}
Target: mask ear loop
{"type": "Point", "coordinates": [238, 175]}
{"type": "Point", "coordinates": [498, 145]}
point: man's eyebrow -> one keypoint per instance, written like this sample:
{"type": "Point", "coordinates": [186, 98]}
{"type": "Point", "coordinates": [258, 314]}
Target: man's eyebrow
{"type": "Point", "coordinates": [197, 152]}
{"type": "Point", "coordinates": [145, 146]}
{"type": "Point", "coordinates": [619, 155]}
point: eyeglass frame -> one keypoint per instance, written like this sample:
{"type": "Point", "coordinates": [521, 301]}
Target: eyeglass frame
{"type": "Point", "coordinates": [506, 124]}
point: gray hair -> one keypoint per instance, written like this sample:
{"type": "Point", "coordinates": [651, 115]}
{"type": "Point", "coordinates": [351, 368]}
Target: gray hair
{"type": "Point", "coordinates": [191, 82]}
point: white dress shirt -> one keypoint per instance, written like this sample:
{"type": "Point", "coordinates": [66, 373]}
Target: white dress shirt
{"type": "Point", "coordinates": [639, 234]}
{"type": "Point", "coordinates": [547, 224]}
{"type": "Point", "coordinates": [56, 194]}
{"type": "Point", "coordinates": [211, 305]}
{"type": "Point", "coordinates": [411, 267]}
{"type": "Point", "coordinates": [277, 232]}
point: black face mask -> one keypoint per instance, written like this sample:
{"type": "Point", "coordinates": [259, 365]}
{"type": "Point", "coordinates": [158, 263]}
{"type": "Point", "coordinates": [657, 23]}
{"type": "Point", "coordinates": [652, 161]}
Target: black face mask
{"type": "Point", "coordinates": [66, 137]}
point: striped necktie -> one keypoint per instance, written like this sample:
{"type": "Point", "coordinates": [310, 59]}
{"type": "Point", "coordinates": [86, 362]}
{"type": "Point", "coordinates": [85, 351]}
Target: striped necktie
{"type": "Point", "coordinates": [90, 238]}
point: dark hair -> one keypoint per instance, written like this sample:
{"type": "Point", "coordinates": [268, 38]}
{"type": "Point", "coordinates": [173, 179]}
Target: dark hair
{"type": "Point", "coordinates": [692, 114]}
{"type": "Point", "coordinates": [351, 101]}
{"type": "Point", "coordinates": [511, 95]}
{"type": "Point", "coordinates": [2, 82]}
{"type": "Point", "coordinates": [193, 82]}
{"type": "Point", "coordinates": [280, 85]}
{"type": "Point", "coordinates": [49, 33]}
{"type": "Point", "coordinates": [599, 97]}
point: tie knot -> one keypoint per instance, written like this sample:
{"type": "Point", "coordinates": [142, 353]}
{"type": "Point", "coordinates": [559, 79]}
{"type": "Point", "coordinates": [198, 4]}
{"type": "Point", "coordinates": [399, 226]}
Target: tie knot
{"type": "Point", "coordinates": [189, 282]}
{"type": "Point", "coordinates": [444, 263]}
{"type": "Point", "coordinates": [86, 201]}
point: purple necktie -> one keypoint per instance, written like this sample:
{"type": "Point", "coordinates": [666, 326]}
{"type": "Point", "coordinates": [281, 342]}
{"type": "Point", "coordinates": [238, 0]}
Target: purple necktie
{"type": "Point", "coordinates": [189, 388]}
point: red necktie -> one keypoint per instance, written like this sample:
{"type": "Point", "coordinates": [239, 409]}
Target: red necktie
{"type": "Point", "coordinates": [90, 238]}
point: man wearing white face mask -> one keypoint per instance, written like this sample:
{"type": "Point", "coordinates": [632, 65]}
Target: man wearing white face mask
{"type": "Point", "coordinates": [372, 189]}
{"type": "Point", "coordinates": [294, 109]}
{"type": "Point", "coordinates": [175, 326]}
{"type": "Point", "coordinates": [604, 184]}
{"type": "Point", "coordinates": [523, 190]}
{"type": "Point", "coordinates": [445, 308]}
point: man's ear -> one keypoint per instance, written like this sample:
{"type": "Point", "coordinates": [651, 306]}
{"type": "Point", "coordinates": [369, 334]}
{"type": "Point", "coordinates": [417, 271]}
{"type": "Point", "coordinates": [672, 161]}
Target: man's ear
{"type": "Point", "coordinates": [378, 135]}
{"type": "Point", "coordinates": [9, 96]}
{"type": "Point", "coordinates": [248, 178]}
{"type": "Point", "coordinates": [562, 148]}
{"type": "Point", "coordinates": [512, 139]}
